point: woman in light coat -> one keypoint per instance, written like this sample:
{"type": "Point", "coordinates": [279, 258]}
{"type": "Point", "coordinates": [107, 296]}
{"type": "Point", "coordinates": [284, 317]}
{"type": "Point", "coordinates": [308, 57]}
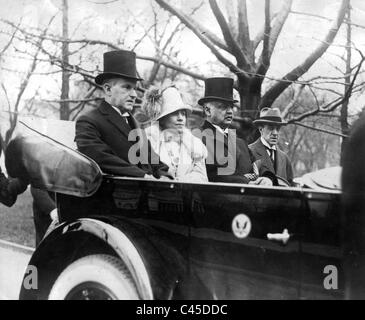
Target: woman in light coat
{"type": "Point", "coordinates": [177, 147]}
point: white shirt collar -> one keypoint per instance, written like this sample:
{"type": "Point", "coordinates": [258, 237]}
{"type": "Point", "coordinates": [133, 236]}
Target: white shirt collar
{"type": "Point", "coordinates": [225, 131]}
{"type": "Point", "coordinates": [125, 114]}
{"type": "Point", "coordinates": [264, 142]}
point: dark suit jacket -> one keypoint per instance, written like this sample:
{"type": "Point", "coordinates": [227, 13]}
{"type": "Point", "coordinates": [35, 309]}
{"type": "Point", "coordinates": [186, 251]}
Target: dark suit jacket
{"type": "Point", "coordinates": [283, 166]}
{"type": "Point", "coordinates": [238, 164]}
{"type": "Point", "coordinates": [102, 135]}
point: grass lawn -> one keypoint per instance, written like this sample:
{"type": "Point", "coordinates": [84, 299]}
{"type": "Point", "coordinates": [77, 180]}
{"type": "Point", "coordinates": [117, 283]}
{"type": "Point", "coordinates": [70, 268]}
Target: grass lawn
{"type": "Point", "coordinates": [16, 223]}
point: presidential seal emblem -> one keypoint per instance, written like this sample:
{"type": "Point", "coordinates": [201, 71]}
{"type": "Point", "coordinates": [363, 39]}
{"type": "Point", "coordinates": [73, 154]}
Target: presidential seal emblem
{"type": "Point", "coordinates": [241, 226]}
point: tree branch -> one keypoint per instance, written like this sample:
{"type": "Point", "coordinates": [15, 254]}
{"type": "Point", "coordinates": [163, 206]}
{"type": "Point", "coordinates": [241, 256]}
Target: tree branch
{"type": "Point", "coordinates": [278, 25]}
{"type": "Point", "coordinates": [264, 63]}
{"type": "Point", "coordinates": [260, 35]}
{"type": "Point", "coordinates": [243, 29]}
{"type": "Point", "coordinates": [7, 101]}
{"type": "Point", "coordinates": [193, 26]}
{"type": "Point", "coordinates": [329, 107]}
{"type": "Point", "coordinates": [173, 67]}
{"type": "Point", "coordinates": [292, 102]}
{"type": "Point", "coordinates": [9, 42]}
{"type": "Point", "coordinates": [228, 37]}
{"type": "Point", "coordinates": [24, 85]}
{"type": "Point", "coordinates": [320, 130]}
{"type": "Point", "coordinates": [326, 18]}
{"type": "Point", "coordinates": [297, 72]}
{"type": "Point", "coordinates": [71, 100]}
{"type": "Point", "coordinates": [76, 69]}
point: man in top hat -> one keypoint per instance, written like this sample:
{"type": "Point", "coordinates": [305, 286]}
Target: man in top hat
{"type": "Point", "coordinates": [266, 150]}
{"type": "Point", "coordinates": [102, 133]}
{"type": "Point", "coordinates": [229, 159]}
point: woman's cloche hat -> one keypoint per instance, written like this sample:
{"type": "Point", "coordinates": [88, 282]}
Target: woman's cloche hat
{"type": "Point", "coordinates": [160, 103]}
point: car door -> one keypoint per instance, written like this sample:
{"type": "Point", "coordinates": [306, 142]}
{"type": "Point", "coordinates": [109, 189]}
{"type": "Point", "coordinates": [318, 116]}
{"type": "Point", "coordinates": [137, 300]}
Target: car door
{"type": "Point", "coordinates": [244, 241]}
{"type": "Point", "coordinates": [322, 274]}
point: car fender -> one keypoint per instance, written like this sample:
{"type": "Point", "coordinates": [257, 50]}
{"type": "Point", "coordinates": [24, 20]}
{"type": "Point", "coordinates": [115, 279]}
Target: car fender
{"type": "Point", "coordinates": [135, 244]}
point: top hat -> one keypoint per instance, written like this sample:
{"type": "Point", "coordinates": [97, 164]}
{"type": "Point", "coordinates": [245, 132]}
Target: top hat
{"type": "Point", "coordinates": [118, 64]}
{"type": "Point", "coordinates": [220, 89]}
{"type": "Point", "coordinates": [159, 104]}
{"type": "Point", "coordinates": [270, 116]}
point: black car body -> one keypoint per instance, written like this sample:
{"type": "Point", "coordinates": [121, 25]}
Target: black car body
{"type": "Point", "coordinates": [189, 241]}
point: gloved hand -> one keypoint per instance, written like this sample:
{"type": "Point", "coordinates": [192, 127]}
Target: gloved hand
{"type": "Point", "coordinates": [17, 185]}
{"type": "Point", "coordinates": [10, 188]}
{"type": "Point", "coordinates": [262, 181]}
{"type": "Point", "coordinates": [54, 216]}
{"type": "Point", "coordinates": [149, 176]}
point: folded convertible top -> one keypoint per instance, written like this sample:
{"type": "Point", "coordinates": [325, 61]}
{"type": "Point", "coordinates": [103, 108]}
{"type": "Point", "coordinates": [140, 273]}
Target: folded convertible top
{"type": "Point", "coordinates": [324, 179]}
{"type": "Point", "coordinates": [52, 166]}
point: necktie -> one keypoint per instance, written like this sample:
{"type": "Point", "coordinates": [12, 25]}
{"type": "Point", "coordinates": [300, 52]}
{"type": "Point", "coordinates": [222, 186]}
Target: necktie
{"type": "Point", "coordinates": [128, 120]}
{"type": "Point", "coordinates": [272, 157]}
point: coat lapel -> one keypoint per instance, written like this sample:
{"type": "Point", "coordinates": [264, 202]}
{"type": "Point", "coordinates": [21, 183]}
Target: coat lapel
{"type": "Point", "coordinates": [280, 164]}
{"type": "Point", "coordinates": [114, 118]}
{"type": "Point", "coordinates": [214, 133]}
{"type": "Point", "coordinates": [261, 152]}
{"type": "Point", "coordinates": [218, 140]}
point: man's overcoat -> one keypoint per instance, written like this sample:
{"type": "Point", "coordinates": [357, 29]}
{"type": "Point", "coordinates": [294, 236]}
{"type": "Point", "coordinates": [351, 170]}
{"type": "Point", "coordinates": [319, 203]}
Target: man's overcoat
{"type": "Point", "coordinates": [102, 135]}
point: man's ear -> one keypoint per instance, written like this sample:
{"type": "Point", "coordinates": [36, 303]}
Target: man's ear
{"type": "Point", "coordinates": [206, 109]}
{"type": "Point", "coordinates": [107, 87]}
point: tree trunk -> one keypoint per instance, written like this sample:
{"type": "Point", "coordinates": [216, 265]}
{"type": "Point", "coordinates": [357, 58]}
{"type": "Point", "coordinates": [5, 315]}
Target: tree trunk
{"type": "Point", "coordinates": [65, 106]}
{"type": "Point", "coordinates": [344, 108]}
{"type": "Point", "coordinates": [153, 74]}
{"type": "Point", "coordinates": [250, 96]}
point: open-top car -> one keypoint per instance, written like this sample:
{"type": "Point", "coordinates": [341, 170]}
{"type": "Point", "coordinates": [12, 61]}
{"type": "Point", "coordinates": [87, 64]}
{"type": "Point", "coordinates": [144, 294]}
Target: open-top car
{"type": "Point", "coordinates": [129, 238]}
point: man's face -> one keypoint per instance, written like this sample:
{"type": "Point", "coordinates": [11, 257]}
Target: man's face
{"type": "Point", "coordinates": [219, 113]}
{"type": "Point", "coordinates": [121, 93]}
{"type": "Point", "coordinates": [270, 133]}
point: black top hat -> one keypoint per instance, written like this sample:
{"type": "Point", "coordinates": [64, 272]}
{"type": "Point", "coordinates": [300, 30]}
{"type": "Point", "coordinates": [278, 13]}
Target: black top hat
{"type": "Point", "coordinates": [118, 64]}
{"type": "Point", "coordinates": [218, 89]}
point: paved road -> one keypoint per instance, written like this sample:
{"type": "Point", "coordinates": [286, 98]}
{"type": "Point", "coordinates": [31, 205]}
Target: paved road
{"type": "Point", "coordinates": [13, 263]}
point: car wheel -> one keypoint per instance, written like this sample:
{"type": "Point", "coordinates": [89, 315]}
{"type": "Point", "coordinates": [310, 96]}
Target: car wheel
{"type": "Point", "coordinates": [94, 277]}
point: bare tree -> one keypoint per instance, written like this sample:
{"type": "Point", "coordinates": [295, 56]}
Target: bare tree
{"type": "Point", "coordinates": [13, 111]}
{"type": "Point", "coordinates": [344, 108]}
{"type": "Point", "coordinates": [164, 34]}
{"type": "Point", "coordinates": [314, 143]}
{"type": "Point", "coordinates": [237, 42]}
{"type": "Point", "coordinates": [64, 105]}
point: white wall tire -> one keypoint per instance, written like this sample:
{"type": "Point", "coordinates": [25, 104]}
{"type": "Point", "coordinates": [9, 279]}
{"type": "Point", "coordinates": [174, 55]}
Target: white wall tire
{"type": "Point", "coordinates": [95, 277]}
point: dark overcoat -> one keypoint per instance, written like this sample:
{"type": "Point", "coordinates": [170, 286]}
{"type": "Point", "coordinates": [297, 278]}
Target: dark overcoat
{"type": "Point", "coordinates": [236, 161]}
{"type": "Point", "coordinates": [102, 135]}
{"type": "Point", "coordinates": [282, 168]}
